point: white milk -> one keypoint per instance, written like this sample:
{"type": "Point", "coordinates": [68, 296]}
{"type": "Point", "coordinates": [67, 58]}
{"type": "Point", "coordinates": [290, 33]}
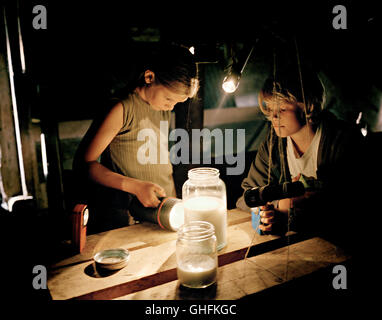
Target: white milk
{"type": "Point", "coordinates": [197, 271]}
{"type": "Point", "coordinates": [208, 209]}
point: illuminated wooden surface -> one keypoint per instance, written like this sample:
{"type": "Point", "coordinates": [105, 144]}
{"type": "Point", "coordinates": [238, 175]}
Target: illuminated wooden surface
{"type": "Point", "coordinates": [151, 271]}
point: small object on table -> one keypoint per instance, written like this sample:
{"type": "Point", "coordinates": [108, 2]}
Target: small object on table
{"type": "Point", "coordinates": [112, 259]}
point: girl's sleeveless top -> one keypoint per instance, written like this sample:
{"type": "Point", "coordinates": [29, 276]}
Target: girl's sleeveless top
{"type": "Point", "coordinates": [140, 149]}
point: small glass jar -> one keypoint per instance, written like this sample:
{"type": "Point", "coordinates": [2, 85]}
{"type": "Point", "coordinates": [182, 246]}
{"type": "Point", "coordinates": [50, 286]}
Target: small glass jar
{"type": "Point", "coordinates": [196, 254]}
{"type": "Point", "coordinates": [205, 199]}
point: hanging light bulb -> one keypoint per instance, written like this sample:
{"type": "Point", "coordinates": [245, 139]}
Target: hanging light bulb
{"type": "Point", "coordinates": [231, 82]}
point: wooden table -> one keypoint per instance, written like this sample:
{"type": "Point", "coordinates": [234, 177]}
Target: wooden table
{"type": "Point", "coordinates": [151, 270]}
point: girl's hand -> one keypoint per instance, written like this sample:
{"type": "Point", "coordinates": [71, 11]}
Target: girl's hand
{"type": "Point", "coordinates": [148, 192]}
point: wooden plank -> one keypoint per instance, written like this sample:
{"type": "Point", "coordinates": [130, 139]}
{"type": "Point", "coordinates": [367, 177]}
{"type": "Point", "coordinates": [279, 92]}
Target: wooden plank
{"type": "Point", "coordinates": [81, 278]}
{"type": "Point", "coordinates": [170, 275]}
{"type": "Point", "coordinates": [152, 251]}
{"type": "Point", "coordinates": [10, 173]}
{"type": "Point", "coordinates": [252, 275]}
{"type": "Point", "coordinates": [153, 260]}
{"type": "Point", "coordinates": [134, 237]}
{"type": "Point", "coordinates": [131, 287]}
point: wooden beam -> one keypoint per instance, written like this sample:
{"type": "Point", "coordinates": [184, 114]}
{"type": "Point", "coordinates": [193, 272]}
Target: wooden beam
{"type": "Point", "coordinates": [171, 274]}
{"type": "Point", "coordinates": [9, 160]}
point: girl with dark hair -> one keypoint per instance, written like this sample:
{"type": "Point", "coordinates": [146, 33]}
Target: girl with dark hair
{"type": "Point", "coordinates": [168, 78]}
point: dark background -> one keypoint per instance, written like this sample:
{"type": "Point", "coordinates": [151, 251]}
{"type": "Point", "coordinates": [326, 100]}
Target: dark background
{"type": "Point", "coordinates": [88, 48]}
{"type": "Point", "coordinates": [88, 51]}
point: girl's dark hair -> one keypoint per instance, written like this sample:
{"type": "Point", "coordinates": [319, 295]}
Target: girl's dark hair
{"type": "Point", "coordinates": [287, 86]}
{"type": "Point", "coordinates": [174, 67]}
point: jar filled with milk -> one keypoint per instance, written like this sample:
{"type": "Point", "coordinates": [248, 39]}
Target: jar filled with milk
{"type": "Point", "coordinates": [196, 254]}
{"type": "Point", "coordinates": [205, 199]}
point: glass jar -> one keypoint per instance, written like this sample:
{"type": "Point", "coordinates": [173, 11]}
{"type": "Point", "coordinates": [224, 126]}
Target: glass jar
{"type": "Point", "coordinates": [196, 254]}
{"type": "Point", "coordinates": [205, 199]}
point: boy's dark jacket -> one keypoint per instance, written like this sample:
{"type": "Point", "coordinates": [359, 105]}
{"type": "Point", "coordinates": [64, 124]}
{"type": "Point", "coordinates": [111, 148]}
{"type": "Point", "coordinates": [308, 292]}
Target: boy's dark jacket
{"type": "Point", "coordinates": [340, 169]}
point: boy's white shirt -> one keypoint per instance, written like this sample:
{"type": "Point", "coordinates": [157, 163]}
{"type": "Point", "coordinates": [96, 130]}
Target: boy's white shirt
{"type": "Point", "coordinates": [307, 163]}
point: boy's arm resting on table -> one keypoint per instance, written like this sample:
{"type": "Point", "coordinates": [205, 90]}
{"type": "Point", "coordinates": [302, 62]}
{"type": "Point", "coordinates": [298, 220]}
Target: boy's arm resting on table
{"type": "Point", "coordinates": [105, 133]}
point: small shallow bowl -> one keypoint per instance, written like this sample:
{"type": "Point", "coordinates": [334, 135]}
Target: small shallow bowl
{"type": "Point", "coordinates": [112, 259]}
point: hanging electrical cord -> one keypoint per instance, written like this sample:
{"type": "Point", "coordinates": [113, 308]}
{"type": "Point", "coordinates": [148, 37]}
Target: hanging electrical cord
{"type": "Point", "coordinates": [252, 243]}
{"type": "Point", "coordinates": [280, 146]}
{"type": "Point", "coordinates": [301, 82]}
{"type": "Point", "coordinates": [283, 176]}
{"type": "Point", "coordinates": [291, 207]}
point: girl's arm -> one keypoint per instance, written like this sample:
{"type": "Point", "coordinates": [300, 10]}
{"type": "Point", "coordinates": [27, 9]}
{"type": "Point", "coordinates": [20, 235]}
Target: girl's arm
{"type": "Point", "coordinates": [109, 128]}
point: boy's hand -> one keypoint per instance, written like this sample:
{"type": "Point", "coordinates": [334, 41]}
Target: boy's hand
{"type": "Point", "coordinates": [302, 202]}
{"type": "Point", "coordinates": [271, 218]}
{"type": "Point", "coordinates": [267, 217]}
{"type": "Point", "coordinates": [148, 192]}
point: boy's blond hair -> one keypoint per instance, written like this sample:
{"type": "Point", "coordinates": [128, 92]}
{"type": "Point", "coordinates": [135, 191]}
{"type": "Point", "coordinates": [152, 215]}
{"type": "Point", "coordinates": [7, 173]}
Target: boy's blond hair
{"type": "Point", "coordinates": [287, 88]}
